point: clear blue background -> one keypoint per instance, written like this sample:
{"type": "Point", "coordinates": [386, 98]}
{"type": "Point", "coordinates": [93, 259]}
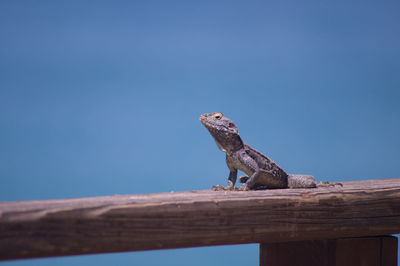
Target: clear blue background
{"type": "Point", "coordinates": [103, 97]}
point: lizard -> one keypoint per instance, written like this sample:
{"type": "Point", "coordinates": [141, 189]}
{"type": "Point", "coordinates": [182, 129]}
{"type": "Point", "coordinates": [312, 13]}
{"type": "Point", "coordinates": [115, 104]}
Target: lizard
{"type": "Point", "coordinates": [262, 172]}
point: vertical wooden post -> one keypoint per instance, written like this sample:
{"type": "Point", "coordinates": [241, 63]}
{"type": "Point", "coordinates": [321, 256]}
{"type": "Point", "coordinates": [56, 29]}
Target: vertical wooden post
{"type": "Point", "coordinates": [366, 251]}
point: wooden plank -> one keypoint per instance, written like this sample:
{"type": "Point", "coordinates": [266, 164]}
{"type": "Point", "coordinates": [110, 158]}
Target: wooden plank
{"type": "Point", "coordinates": [197, 218]}
{"type": "Point", "coordinates": [365, 251]}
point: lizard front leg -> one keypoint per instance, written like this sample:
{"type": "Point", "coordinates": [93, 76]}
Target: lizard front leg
{"type": "Point", "coordinates": [232, 175]}
{"type": "Point", "coordinates": [231, 178]}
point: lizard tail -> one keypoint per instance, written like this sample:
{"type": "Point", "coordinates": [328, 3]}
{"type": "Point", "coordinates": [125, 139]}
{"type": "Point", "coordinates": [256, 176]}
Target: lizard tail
{"type": "Point", "coordinates": [329, 184]}
{"type": "Point", "coordinates": [301, 181]}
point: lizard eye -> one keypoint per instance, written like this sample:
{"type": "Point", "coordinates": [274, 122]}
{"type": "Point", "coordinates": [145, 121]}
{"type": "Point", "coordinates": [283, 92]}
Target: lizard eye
{"type": "Point", "coordinates": [218, 116]}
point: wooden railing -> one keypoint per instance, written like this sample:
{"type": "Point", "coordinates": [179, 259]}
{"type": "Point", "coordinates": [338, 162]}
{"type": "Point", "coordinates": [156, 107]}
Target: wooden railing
{"type": "Point", "coordinates": [319, 221]}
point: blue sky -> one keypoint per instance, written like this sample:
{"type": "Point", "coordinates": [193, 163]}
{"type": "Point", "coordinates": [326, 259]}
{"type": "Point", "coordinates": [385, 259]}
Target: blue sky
{"type": "Point", "coordinates": [103, 97]}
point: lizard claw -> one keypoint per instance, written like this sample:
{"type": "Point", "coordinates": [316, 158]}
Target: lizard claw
{"type": "Point", "coordinates": [218, 188]}
{"type": "Point", "coordinates": [222, 188]}
{"type": "Point", "coordinates": [243, 188]}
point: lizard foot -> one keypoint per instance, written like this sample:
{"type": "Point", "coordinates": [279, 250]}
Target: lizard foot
{"type": "Point", "coordinates": [329, 184]}
{"type": "Point", "coordinates": [243, 188]}
{"type": "Point", "coordinates": [218, 188]}
{"type": "Point", "coordinates": [222, 188]}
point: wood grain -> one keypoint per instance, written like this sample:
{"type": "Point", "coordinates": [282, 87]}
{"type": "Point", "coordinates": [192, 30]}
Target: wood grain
{"type": "Point", "coordinates": [197, 218]}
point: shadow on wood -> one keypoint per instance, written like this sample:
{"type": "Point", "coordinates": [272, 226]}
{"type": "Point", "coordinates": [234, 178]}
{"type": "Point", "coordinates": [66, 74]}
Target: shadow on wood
{"type": "Point", "coordinates": [367, 251]}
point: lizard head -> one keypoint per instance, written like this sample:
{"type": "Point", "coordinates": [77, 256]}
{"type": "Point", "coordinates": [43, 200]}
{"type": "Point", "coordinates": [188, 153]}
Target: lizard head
{"type": "Point", "coordinates": [223, 130]}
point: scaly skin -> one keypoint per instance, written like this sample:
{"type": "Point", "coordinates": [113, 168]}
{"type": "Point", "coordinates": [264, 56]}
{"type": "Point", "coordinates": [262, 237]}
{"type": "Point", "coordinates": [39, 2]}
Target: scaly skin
{"type": "Point", "coordinates": [262, 172]}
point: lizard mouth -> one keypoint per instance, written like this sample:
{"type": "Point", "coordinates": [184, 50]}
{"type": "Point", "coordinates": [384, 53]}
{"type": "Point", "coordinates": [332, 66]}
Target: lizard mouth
{"type": "Point", "coordinates": [206, 123]}
{"type": "Point", "coordinates": [204, 120]}
{"type": "Point", "coordinates": [214, 127]}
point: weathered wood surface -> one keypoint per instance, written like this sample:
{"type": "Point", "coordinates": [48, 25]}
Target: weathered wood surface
{"type": "Point", "coordinates": [197, 218]}
{"type": "Point", "coordinates": [366, 251]}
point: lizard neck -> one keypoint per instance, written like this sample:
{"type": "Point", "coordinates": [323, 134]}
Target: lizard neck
{"type": "Point", "coordinates": [228, 143]}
